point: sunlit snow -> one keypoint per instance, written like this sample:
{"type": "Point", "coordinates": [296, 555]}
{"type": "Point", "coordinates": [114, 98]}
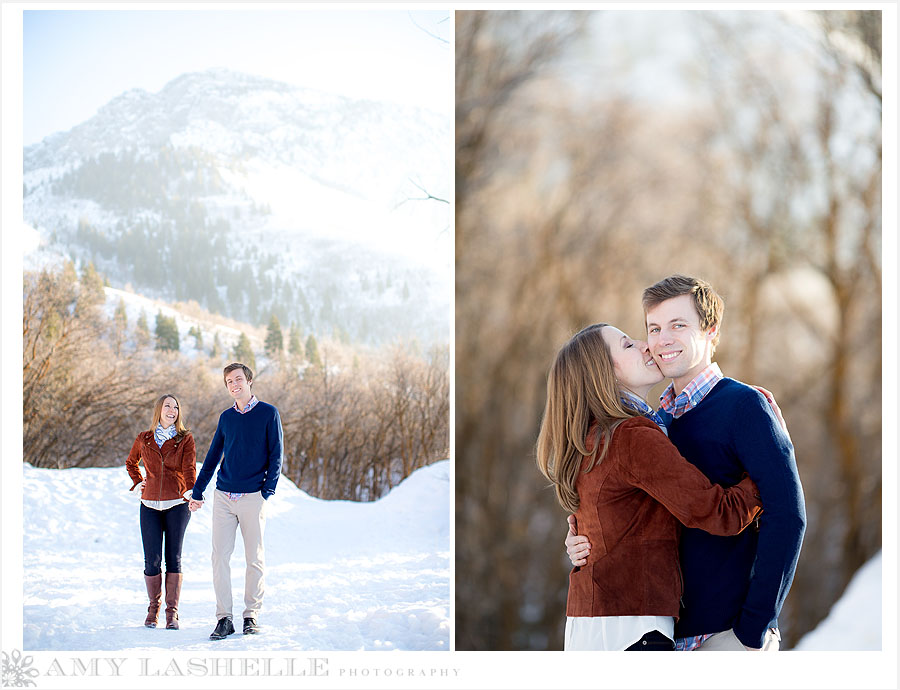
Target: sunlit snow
{"type": "Point", "coordinates": [340, 575]}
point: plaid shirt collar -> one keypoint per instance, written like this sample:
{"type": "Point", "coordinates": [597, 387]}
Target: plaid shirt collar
{"type": "Point", "coordinates": [249, 406]}
{"type": "Point", "coordinates": [693, 393]}
{"type": "Point", "coordinates": [635, 402]}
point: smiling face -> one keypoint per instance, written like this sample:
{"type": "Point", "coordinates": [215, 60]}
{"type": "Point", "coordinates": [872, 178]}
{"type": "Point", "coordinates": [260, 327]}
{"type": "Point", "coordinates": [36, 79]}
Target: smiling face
{"type": "Point", "coordinates": [681, 348]}
{"type": "Point", "coordinates": [238, 385]}
{"type": "Point", "coordinates": [168, 415]}
{"type": "Point", "coordinates": [633, 364]}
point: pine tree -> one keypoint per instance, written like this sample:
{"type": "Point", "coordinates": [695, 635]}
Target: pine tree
{"type": "Point", "coordinates": [142, 330]}
{"type": "Point", "coordinates": [90, 293]}
{"type": "Point", "coordinates": [295, 346]}
{"type": "Point", "coordinates": [274, 338]}
{"type": "Point", "coordinates": [119, 326]}
{"type": "Point", "coordinates": [312, 351]}
{"type": "Point", "coordinates": [120, 317]}
{"type": "Point", "coordinates": [243, 352]}
{"type": "Point", "coordinates": [69, 274]}
{"type": "Point", "coordinates": [216, 347]}
{"type": "Point", "coordinates": [198, 337]}
{"type": "Point", "coordinates": [166, 333]}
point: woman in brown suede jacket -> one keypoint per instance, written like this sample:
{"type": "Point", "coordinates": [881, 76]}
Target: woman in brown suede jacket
{"type": "Point", "coordinates": [614, 467]}
{"type": "Point", "coordinates": [169, 458]}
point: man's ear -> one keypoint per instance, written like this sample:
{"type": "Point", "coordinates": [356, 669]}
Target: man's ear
{"type": "Point", "coordinates": [712, 332]}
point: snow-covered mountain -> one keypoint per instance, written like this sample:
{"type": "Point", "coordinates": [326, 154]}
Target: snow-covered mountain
{"type": "Point", "coordinates": [255, 197]}
{"type": "Point", "coordinates": [340, 575]}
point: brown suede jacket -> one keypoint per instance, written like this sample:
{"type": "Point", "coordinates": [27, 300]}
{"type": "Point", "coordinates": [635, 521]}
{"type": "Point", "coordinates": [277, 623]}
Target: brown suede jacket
{"type": "Point", "coordinates": [171, 470]}
{"type": "Point", "coordinates": [630, 508]}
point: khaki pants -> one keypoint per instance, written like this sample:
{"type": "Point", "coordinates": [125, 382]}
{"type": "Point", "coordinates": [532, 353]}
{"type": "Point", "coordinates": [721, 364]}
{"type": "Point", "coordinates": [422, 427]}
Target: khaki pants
{"type": "Point", "coordinates": [248, 512]}
{"type": "Point", "coordinates": [727, 641]}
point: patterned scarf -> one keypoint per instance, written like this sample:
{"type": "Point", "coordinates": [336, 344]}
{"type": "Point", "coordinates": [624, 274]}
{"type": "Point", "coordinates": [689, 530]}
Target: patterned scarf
{"type": "Point", "coordinates": [162, 435]}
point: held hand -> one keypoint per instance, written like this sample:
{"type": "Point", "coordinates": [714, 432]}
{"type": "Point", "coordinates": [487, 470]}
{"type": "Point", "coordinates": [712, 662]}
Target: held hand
{"type": "Point", "coordinates": [577, 547]}
{"type": "Point", "coordinates": [777, 410]}
{"type": "Point", "coordinates": [194, 505]}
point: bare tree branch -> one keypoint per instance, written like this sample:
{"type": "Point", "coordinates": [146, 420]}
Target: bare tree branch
{"type": "Point", "coordinates": [428, 196]}
{"type": "Point", "coordinates": [433, 35]}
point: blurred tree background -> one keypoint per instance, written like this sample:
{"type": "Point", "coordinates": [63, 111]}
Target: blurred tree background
{"type": "Point", "coordinates": [598, 152]}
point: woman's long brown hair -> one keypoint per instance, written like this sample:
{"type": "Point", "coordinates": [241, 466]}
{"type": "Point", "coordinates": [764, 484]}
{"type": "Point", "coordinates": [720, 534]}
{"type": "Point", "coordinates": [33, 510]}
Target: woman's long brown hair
{"type": "Point", "coordinates": [581, 390]}
{"type": "Point", "coordinates": [180, 428]}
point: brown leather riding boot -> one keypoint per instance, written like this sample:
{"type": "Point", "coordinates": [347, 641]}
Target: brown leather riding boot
{"type": "Point", "coordinates": [173, 593]}
{"type": "Point", "coordinates": [154, 591]}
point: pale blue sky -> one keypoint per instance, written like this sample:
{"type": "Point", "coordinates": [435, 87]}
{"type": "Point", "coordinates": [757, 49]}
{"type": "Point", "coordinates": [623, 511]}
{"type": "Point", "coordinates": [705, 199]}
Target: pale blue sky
{"type": "Point", "coordinates": [75, 61]}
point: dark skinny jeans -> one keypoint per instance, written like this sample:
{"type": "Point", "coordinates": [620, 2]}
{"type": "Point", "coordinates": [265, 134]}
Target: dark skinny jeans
{"type": "Point", "coordinates": [158, 526]}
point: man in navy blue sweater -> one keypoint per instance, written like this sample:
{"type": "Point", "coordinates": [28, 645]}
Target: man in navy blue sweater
{"type": "Point", "coordinates": [249, 437]}
{"type": "Point", "coordinates": [734, 587]}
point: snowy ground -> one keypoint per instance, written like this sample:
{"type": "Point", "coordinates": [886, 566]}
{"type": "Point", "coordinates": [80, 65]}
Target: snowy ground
{"type": "Point", "coordinates": [854, 622]}
{"type": "Point", "coordinates": [339, 575]}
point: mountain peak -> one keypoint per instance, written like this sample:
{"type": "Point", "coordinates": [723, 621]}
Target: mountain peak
{"type": "Point", "coordinates": [131, 99]}
{"type": "Point", "coordinates": [219, 154]}
{"type": "Point", "coordinates": [222, 77]}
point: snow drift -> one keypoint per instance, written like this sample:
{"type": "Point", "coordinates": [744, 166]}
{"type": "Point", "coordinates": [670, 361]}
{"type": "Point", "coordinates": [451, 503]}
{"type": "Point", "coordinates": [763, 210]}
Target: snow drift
{"type": "Point", "coordinates": [340, 575]}
{"type": "Point", "coordinates": [854, 622]}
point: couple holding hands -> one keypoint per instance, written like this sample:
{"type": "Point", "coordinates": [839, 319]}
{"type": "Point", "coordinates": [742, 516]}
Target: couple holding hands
{"type": "Point", "coordinates": [248, 442]}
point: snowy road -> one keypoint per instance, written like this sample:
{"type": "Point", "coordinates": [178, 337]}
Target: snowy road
{"type": "Point", "coordinates": [339, 575]}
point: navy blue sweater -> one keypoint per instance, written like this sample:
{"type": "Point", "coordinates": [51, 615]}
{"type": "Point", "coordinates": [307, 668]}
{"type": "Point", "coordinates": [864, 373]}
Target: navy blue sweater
{"type": "Point", "coordinates": [252, 444]}
{"type": "Point", "coordinates": [739, 582]}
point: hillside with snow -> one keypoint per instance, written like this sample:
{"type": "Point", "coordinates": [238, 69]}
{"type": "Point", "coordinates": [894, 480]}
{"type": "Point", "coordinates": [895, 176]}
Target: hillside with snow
{"type": "Point", "coordinates": [340, 575]}
{"type": "Point", "coordinates": [253, 197]}
{"type": "Point", "coordinates": [209, 326]}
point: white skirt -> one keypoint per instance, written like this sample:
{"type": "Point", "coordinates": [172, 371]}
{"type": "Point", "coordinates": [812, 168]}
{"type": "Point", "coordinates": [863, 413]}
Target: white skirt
{"type": "Point", "coordinates": [612, 633]}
